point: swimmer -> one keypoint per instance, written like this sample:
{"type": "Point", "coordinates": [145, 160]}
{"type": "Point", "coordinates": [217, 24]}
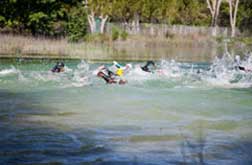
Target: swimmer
{"type": "Point", "coordinates": [59, 67]}
{"type": "Point", "coordinates": [146, 67]}
{"type": "Point", "coordinates": [238, 65]}
{"type": "Point", "coordinates": [113, 74]}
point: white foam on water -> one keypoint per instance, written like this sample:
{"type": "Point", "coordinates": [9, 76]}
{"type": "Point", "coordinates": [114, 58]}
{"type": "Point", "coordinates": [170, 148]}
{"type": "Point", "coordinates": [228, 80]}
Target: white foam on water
{"type": "Point", "coordinates": [222, 73]}
{"type": "Point", "coordinates": [80, 75]}
{"type": "Point", "coordinates": [137, 74]}
{"type": "Point", "coordinates": [5, 72]}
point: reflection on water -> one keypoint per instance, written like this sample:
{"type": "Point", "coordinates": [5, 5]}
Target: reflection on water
{"type": "Point", "coordinates": [186, 113]}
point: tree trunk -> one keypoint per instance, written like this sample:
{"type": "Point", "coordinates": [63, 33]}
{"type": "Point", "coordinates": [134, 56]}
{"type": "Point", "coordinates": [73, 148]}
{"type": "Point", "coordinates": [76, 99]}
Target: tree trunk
{"type": "Point", "coordinates": [103, 22]}
{"type": "Point", "coordinates": [214, 7]}
{"type": "Point", "coordinates": [210, 5]}
{"type": "Point", "coordinates": [216, 13]}
{"type": "Point", "coordinates": [232, 14]}
{"type": "Point", "coordinates": [136, 23]}
{"type": "Point", "coordinates": [91, 22]}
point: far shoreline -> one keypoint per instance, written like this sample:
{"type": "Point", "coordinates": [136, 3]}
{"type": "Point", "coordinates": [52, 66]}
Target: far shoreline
{"type": "Point", "coordinates": [135, 48]}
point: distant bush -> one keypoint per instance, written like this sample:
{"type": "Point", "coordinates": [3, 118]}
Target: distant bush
{"type": "Point", "coordinates": [220, 39]}
{"type": "Point", "coordinates": [169, 34]}
{"type": "Point", "coordinates": [2, 21]}
{"type": "Point", "coordinates": [77, 24]}
{"type": "Point", "coordinates": [97, 38]}
{"type": "Point", "coordinates": [115, 33]}
{"type": "Point", "coordinates": [247, 40]}
{"type": "Point", "coordinates": [124, 35]}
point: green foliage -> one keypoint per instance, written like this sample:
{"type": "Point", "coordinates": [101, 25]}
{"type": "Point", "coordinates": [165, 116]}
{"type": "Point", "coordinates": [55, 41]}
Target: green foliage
{"type": "Point", "coordinates": [244, 16]}
{"type": "Point", "coordinates": [192, 12]}
{"type": "Point", "coordinates": [2, 21]}
{"type": "Point", "coordinates": [105, 38]}
{"type": "Point", "coordinates": [38, 17]}
{"type": "Point", "coordinates": [124, 35]}
{"type": "Point", "coordinates": [101, 7]}
{"type": "Point", "coordinates": [224, 15]}
{"type": "Point", "coordinates": [77, 24]}
{"type": "Point", "coordinates": [245, 40]}
{"type": "Point", "coordinates": [115, 33]}
{"type": "Point", "coordinates": [67, 17]}
{"type": "Point", "coordinates": [97, 38]}
{"type": "Point", "coordinates": [220, 39]}
{"type": "Point", "coordinates": [188, 12]}
{"type": "Point", "coordinates": [38, 22]}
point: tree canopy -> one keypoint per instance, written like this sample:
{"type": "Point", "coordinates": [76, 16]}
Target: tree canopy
{"type": "Point", "coordinates": [54, 17]}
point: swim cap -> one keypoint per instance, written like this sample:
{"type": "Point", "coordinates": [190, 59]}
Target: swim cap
{"type": "Point", "coordinates": [119, 72]}
{"type": "Point", "coordinates": [129, 65]}
{"type": "Point", "coordinates": [116, 64]}
{"type": "Point", "coordinates": [237, 57]}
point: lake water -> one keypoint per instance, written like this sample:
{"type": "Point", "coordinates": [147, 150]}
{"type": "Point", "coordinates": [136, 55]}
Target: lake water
{"type": "Point", "coordinates": [194, 113]}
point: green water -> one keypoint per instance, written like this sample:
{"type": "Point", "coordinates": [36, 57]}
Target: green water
{"type": "Point", "coordinates": [179, 116]}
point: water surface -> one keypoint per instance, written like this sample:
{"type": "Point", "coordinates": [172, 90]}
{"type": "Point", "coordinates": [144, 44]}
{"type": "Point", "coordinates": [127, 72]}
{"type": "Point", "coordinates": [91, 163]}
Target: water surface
{"type": "Point", "coordinates": [196, 113]}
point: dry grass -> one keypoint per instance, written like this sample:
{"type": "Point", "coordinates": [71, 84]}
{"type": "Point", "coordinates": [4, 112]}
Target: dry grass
{"type": "Point", "coordinates": [190, 39]}
{"type": "Point", "coordinates": [43, 47]}
{"type": "Point", "coordinates": [12, 44]}
{"type": "Point", "coordinates": [136, 47]}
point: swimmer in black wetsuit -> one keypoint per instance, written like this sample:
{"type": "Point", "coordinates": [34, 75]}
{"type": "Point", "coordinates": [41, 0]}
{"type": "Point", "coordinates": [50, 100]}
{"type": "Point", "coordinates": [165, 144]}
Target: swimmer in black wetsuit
{"type": "Point", "coordinates": [146, 66]}
{"type": "Point", "coordinates": [59, 67]}
{"type": "Point", "coordinates": [238, 65]}
{"type": "Point", "coordinates": [106, 75]}
{"type": "Point", "coordinates": [109, 76]}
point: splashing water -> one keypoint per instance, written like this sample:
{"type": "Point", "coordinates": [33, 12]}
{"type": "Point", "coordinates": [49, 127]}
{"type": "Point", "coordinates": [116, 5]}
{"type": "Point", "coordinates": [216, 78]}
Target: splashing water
{"type": "Point", "coordinates": [222, 72]}
{"type": "Point", "coordinates": [6, 72]}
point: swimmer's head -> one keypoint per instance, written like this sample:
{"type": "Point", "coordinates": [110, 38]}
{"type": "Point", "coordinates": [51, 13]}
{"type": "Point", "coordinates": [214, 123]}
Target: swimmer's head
{"type": "Point", "coordinates": [128, 66]}
{"type": "Point", "coordinates": [237, 58]}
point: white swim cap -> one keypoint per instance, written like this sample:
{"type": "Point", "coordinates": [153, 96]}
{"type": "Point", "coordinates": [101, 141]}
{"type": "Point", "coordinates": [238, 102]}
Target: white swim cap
{"type": "Point", "coordinates": [129, 65]}
{"type": "Point", "coordinates": [237, 58]}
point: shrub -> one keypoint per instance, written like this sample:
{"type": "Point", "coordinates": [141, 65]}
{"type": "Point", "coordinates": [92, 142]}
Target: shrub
{"type": "Point", "coordinates": [2, 21]}
{"type": "Point", "coordinates": [77, 24]}
{"type": "Point", "coordinates": [124, 35]}
{"type": "Point", "coordinates": [97, 37]}
{"type": "Point", "coordinates": [169, 34]}
{"type": "Point", "coordinates": [115, 33]}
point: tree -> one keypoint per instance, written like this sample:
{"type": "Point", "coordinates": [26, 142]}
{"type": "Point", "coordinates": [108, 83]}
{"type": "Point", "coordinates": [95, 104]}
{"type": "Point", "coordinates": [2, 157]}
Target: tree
{"type": "Point", "coordinates": [244, 16]}
{"type": "Point", "coordinates": [150, 10]}
{"type": "Point", "coordinates": [40, 17]}
{"type": "Point", "coordinates": [121, 11]}
{"type": "Point", "coordinates": [76, 25]}
{"type": "Point", "coordinates": [233, 8]}
{"type": "Point", "coordinates": [214, 7]}
{"type": "Point", "coordinates": [166, 11]}
{"type": "Point", "coordinates": [129, 12]}
{"type": "Point", "coordinates": [191, 12]}
{"type": "Point", "coordinates": [98, 9]}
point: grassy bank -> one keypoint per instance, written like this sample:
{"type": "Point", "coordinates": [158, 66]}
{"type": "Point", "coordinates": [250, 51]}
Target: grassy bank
{"type": "Point", "coordinates": [102, 48]}
{"type": "Point", "coordinates": [32, 47]}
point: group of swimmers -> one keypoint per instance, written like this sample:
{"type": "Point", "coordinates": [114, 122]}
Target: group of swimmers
{"type": "Point", "coordinates": [113, 74]}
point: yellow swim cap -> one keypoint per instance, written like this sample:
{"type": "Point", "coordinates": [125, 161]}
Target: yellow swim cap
{"type": "Point", "coordinates": [119, 72]}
